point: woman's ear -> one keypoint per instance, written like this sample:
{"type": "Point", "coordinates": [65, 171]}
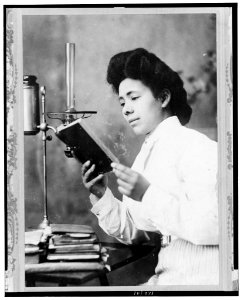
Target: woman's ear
{"type": "Point", "coordinates": [165, 97]}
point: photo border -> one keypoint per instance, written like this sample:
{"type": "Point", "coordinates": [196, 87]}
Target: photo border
{"type": "Point", "coordinates": [14, 145]}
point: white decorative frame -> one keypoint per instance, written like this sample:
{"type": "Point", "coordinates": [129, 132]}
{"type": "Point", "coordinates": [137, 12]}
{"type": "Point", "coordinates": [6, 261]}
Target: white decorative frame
{"type": "Point", "coordinates": [14, 276]}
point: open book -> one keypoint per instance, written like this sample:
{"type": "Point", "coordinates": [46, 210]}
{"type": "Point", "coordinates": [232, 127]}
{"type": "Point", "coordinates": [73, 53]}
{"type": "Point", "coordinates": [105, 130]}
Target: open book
{"type": "Point", "coordinates": [86, 145]}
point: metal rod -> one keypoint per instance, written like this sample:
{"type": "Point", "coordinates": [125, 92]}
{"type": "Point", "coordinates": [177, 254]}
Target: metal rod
{"type": "Point", "coordinates": [44, 138]}
{"type": "Point", "coordinates": [70, 72]}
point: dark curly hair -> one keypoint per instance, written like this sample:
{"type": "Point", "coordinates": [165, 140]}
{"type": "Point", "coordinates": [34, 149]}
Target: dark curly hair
{"type": "Point", "coordinates": [145, 66]}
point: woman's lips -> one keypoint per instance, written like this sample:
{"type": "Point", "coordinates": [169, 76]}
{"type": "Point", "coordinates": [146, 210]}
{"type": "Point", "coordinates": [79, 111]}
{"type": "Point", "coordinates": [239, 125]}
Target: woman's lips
{"type": "Point", "coordinates": [132, 121]}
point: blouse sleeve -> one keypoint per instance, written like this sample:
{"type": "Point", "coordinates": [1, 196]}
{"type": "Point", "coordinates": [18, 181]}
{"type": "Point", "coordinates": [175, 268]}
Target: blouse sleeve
{"type": "Point", "coordinates": [189, 212]}
{"type": "Point", "coordinates": [116, 219]}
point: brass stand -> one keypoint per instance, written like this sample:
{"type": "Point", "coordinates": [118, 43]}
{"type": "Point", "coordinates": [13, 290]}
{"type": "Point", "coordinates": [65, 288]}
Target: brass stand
{"type": "Point", "coordinates": [44, 127]}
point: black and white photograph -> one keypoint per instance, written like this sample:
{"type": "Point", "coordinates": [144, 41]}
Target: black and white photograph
{"type": "Point", "coordinates": [119, 149]}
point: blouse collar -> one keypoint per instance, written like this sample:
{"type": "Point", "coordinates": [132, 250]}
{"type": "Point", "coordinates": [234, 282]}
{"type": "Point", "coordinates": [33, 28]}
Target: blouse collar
{"type": "Point", "coordinates": [163, 130]}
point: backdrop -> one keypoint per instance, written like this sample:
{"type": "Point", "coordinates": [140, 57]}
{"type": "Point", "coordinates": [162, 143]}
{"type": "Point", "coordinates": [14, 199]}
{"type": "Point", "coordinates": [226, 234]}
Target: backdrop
{"type": "Point", "coordinates": [186, 42]}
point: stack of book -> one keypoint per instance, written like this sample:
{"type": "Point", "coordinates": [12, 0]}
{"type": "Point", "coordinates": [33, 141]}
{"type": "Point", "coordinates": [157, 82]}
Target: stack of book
{"type": "Point", "coordinates": [70, 243]}
{"type": "Point", "coordinates": [68, 248]}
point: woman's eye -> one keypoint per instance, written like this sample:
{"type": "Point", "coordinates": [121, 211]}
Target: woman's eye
{"type": "Point", "coordinates": [134, 98]}
{"type": "Point", "coordinates": [122, 104]}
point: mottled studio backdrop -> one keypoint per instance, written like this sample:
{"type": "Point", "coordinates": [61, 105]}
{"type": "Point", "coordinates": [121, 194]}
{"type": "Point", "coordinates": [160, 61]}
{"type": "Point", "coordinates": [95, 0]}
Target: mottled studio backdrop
{"type": "Point", "coordinates": [186, 42]}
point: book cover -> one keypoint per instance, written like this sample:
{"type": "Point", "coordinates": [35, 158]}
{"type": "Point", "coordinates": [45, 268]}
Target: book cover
{"type": "Point", "coordinates": [32, 254]}
{"type": "Point", "coordinates": [74, 248]}
{"type": "Point", "coordinates": [86, 145]}
{"type": "Point", "coordinates": [64, 267]}
{"type": "Point", "coordinates": [66, 240]}
{"type": "Point", "coordinates": [71, 228]}
{"type": "Point", "coordinates": [33, 237]}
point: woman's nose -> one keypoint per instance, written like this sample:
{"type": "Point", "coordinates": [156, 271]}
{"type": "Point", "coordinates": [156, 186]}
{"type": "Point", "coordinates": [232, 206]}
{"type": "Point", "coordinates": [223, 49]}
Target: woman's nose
{"type": "Point", "coordinates": [127, 109]}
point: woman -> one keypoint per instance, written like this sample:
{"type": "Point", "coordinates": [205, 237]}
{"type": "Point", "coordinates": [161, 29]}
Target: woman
{"type": "Point", "coordinates": [171, 187]}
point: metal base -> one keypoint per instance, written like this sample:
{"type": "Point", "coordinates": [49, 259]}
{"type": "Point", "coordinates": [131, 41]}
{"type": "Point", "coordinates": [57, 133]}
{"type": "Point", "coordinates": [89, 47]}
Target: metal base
{"type": "Point", "coordinates": [45, 223]}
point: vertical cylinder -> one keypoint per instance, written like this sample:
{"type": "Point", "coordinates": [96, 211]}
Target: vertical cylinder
{"type": "Point", "coordinates": [31, 105]}
{"type": "Point", "coordinates": [70, 72]}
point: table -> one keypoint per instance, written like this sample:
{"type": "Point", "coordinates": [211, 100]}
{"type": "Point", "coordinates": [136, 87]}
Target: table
{"type": "Point", "coordinates": [119, 256]}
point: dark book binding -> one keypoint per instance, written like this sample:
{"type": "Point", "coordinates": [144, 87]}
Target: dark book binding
{"type": "Point", "coordinates": [86, 145]}
{"type": "Point", "coordinates": [73, 249]}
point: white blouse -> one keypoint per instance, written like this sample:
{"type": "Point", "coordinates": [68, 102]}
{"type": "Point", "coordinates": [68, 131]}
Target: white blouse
{"type": "Point", "coordinates": [181, 201]}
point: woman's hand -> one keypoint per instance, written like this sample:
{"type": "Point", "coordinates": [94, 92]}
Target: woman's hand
{"type": "Point", "coordinates": [96, 185]}
{"type": "Point", "coordinates": [131, 183]}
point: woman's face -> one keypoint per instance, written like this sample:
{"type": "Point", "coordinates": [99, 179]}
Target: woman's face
{"type": "Point", "coordinates": [140, 108]}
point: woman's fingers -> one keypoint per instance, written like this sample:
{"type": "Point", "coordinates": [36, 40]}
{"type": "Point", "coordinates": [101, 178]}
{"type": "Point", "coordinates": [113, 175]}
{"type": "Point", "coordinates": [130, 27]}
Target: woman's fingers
{"type": "Point", "coordinates": [124, 191]}
{"type": "Point", "coordinates": [89, 171]}
{"type": "Point", "coordinates": [124, 184]}
{"type": "Point", "coordinates": [85, 167]}
{"type": "Point", "coordinates": [124, 173]}
{"type": "Point", "coordinates": [121, 168]}
{"type": "Point", "coordinates": [94, 181]}
{"type": "Point", "coordinates": [121, 175]}
{"type": "Point", "coordinates": [96, 184]}
{"type": "Point", "coordinates": [130, 183]}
